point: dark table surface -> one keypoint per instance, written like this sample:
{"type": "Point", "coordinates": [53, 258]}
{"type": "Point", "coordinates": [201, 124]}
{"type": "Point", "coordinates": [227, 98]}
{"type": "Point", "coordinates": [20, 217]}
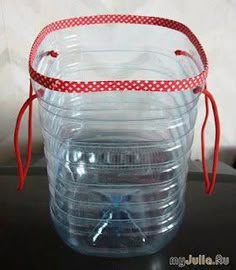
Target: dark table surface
{"type": "Point", "coordinates": [28, 240]}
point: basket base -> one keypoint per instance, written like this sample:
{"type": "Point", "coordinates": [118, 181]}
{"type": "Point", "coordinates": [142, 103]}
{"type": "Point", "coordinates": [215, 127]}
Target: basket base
{"type": "Point", "coordinates": [80, 244]}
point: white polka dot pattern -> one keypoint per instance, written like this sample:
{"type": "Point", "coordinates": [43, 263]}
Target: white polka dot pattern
{"type": "Point", "coordinates": [133, 85]}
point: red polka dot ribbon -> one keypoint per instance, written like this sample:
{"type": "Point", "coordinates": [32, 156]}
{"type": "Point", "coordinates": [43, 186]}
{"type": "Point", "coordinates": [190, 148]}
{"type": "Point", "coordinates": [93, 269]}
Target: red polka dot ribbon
{"type": "Point", "coordinates": [118, 85]}
{"type": "Point", "coordinates": [55, 84]}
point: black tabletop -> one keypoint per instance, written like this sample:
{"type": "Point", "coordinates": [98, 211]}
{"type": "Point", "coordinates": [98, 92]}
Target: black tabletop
{"type": "Point", "coordinates": [28, 240]}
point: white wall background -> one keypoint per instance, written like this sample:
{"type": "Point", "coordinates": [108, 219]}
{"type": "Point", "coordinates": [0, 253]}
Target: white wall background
{"type": "Point", "coordinates": [213, 21]}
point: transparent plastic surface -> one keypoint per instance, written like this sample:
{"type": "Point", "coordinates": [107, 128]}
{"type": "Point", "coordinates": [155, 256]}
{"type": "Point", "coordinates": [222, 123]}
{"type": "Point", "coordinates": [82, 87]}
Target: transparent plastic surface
{"type": "Point", "coordinates": [117, 161]}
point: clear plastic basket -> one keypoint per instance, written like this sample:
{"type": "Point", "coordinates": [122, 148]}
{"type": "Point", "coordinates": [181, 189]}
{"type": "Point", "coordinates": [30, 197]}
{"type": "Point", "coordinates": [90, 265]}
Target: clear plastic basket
{"type": "Point", "coordinates": [118, 99]}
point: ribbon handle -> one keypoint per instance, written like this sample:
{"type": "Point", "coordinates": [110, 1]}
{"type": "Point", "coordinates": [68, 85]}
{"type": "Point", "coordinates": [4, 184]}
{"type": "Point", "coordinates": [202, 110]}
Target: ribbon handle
{"type": "Point", "coordinates": [23, 169]}
{"type": "Point", "coordinates": [210, 183]}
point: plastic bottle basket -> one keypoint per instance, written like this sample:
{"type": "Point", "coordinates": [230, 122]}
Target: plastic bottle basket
{"type": "Point", "coordinates": [118, 102]}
